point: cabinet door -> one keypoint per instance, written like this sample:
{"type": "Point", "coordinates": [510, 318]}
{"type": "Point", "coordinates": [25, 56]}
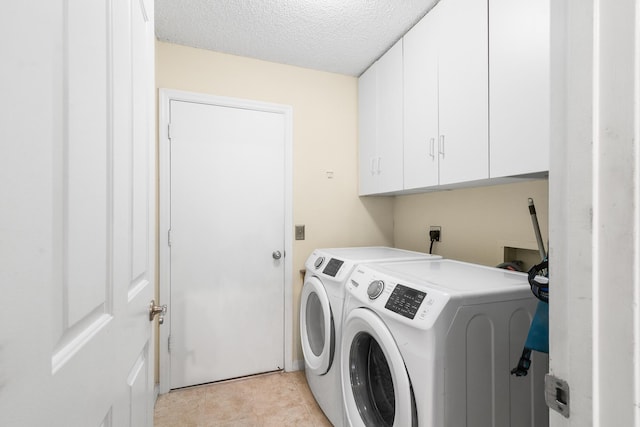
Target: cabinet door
{"type": "Point", "coordinates": [367, 118]}
{"type": "Point", "coordinates": [520, 87]}
{"type": "Point", "coordinates": [389, 120]}
{"type": "Point", "coordinates": [421, 104]}
{"type": "Point", "coordinates": [463, 85]}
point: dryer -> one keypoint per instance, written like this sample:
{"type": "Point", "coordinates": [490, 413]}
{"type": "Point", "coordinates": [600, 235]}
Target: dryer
{"type": "Point", "coordinates": [432, 344]}
{"type": "Point", "coordinates": [321, 306]}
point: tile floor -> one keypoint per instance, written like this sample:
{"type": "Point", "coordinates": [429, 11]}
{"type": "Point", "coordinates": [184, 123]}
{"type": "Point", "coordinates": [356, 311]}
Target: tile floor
{"type": "Point", "coordinates": [277, 399]}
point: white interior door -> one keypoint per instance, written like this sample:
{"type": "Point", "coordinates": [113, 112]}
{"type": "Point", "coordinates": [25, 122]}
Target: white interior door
{"type": "Point", "coordinates": [227, 229]}
{"type": "Point", "coordinates": [77, 214]}
{"type": "Point", "coordinates": [594, 223]}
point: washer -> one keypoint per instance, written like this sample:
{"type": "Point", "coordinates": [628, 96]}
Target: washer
{"type": "Point", "coordinates": [321, 306]}
{"type": "Point", "coordinates": [433, 343]}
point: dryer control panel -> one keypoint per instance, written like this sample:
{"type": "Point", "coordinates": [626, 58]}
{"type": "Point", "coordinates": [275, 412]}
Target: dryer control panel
{"type": "Point", "coordinates": [324, 265]}
{"type": "Point", "coordinates": [333, 266]}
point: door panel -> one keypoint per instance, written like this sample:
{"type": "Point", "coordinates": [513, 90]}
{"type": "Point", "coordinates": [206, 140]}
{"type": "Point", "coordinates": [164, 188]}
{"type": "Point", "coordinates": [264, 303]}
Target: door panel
{"type": "Point", "coordinates": [84, 212]}
{"type": "Point", "coordinates": [143, 123]}
{"type": "Point", "coordinates": [463, 85]}
{"type": "Point", "coordinates": [421, 103]}
{"type": "Point", "coordinates": [137, 382]}
{"type": "Point", "coordinates": [519, 63]}
{"type": "Point", "coordinates": [367, 138]}
{"type": "Point", "coordinates": [389, 120]}
{"type": "Point", "coordinates": [134, 174]}
{"type": "Point", "coordinates": [227, 218]}
{"type": "Point", "coordinates": [80, 319]}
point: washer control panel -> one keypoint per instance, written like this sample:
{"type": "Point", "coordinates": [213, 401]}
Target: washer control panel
{"type": "Point", "coordinates": [405, 301]}
{"type": "Point", "coordinates": [412, 301]}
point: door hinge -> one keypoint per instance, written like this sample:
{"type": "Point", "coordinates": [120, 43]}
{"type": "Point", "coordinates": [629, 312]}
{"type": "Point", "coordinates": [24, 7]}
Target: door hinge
{"type": "Point", "coordinates": [169, 130]}
{"type": "Point", "coordinates": [556, 394]}
{"type": "Point", "coordinates": [169, 237]}
{"type": "Point", "coordinates": [169, 343]}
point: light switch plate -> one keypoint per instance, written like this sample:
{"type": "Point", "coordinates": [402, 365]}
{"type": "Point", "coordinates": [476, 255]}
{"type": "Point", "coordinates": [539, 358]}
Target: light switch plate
{"type": "Point", "coordinates": [299, 232]}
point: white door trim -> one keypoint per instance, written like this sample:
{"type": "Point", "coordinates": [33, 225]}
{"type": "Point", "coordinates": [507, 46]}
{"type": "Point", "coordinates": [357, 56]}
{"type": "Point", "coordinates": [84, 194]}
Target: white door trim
{"type": "Point", "coordinates": [164, 98]}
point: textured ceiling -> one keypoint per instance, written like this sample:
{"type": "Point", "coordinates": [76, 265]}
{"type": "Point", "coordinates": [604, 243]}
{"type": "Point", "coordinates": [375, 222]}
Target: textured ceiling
{"type": "Point", "coordinates": [340, 36]}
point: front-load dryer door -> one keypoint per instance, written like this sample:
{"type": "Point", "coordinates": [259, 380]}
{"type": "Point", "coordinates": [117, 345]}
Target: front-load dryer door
{"type": "Point", "coordinates": [375, 383]}
{"type": "Point", "coordinates": [317, 331]}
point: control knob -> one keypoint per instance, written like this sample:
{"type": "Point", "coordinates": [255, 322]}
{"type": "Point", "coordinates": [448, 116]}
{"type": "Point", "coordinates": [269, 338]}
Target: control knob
{"type": "Point", "coordinates": [375, 289]}
{"type": "Point", "coordinates": [318, 262]}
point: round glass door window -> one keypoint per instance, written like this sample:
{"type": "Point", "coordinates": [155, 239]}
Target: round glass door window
{"type": "Point", "coordinates": [371, 381]}
{"type": "Point", "coordinates": [315, 324]}
{"type": "Point", "coordinates": [317, 331]}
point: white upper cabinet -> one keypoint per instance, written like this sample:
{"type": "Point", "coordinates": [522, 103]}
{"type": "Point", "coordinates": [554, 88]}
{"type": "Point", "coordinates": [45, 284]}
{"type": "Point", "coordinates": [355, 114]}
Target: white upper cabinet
{"type": "Point", "coordinates": [367, 107]}
{"type": "Point", "coordinates": [389, 119]}
{"type": "Point", "coordinates": [421, 104]}
{"type": "Point", "coordinates": [380, 124]}
{"type": "Point", "coordinates": [519, 48]}
{"type": "Point", "coordinates": [462, 101]}
{"type": "Point", "coordinates": [446, 96]}
{"type": "Point", "coordinates": [464, 93]}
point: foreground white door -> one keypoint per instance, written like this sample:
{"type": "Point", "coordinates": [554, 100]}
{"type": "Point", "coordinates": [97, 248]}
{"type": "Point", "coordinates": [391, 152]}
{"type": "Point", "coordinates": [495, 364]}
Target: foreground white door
{"type": "Point", "coordinates": [227, 243]}
{"type": "Point", "coordinates": [594, 223]}
{"type": "Point", "coordinates": [76, 180]}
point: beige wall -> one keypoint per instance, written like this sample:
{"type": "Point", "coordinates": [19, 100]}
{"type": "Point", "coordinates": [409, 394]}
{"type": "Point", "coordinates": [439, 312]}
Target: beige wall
{"type": "Point", "coordinates": [324, 139]}
{"type": "Point", "coordinates": [476, 222]}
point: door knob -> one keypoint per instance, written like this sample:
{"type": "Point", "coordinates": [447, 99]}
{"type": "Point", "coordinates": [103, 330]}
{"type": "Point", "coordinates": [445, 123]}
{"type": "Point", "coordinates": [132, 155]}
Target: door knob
{"type": "Point", "coordinates": [276, 255]}
{"type": "Point", "coordinates": [157, 309]}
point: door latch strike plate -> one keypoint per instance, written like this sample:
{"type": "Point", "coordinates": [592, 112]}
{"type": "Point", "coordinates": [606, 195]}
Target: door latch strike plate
{"type": "Point", "coordinates": [557, 394]}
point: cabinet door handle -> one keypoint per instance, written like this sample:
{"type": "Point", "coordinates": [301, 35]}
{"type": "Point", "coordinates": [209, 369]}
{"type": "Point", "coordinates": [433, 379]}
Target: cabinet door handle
{"type": "Point", "coordinates": [379, 161]}
{"type": "Point", "coordinates": [373, 169]}
{"type": "Point", "coordinates": [441, 146]}
{"type": "Point", "coordinates": [432, 144]}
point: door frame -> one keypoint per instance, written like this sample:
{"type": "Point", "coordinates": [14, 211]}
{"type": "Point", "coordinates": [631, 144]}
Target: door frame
{"type": "Point", "coordinates": [165, 96]}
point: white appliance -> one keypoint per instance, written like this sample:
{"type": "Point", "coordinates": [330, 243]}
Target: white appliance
{"type": "Point", "coordinates": [327, 271]}
{"type": "Point", "coordinates": [432, 344]}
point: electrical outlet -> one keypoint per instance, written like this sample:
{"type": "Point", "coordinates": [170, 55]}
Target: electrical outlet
{"type": "Point", "coordinates": [299, 232]}
{"type": "Point", "coordinates": [435, 233]}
